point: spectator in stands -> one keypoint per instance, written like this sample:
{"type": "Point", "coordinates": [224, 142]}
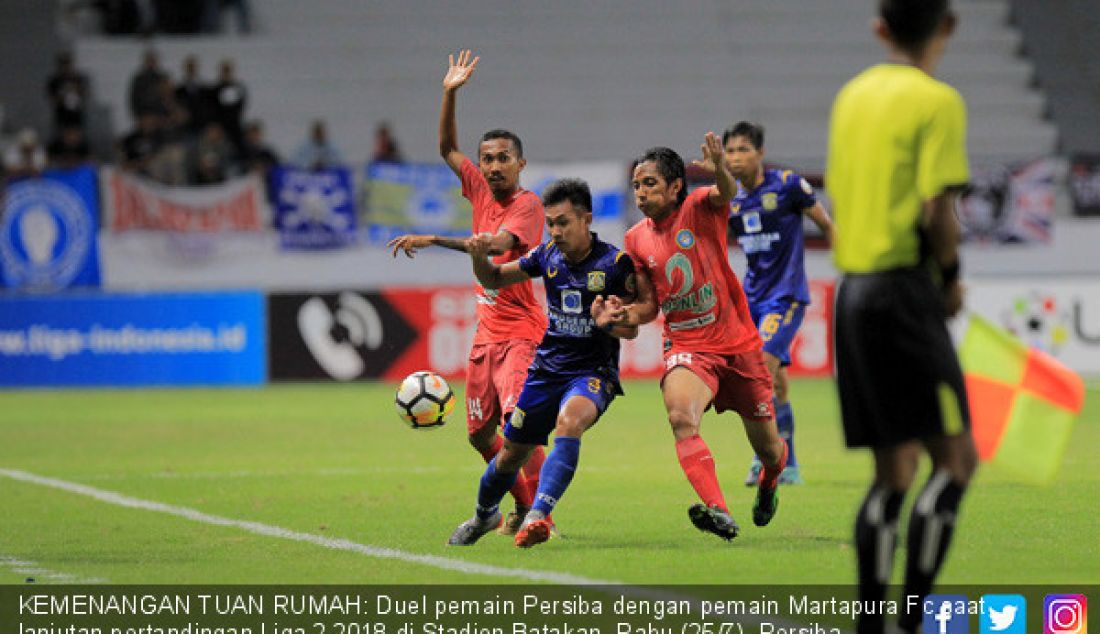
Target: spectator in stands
{"type": "Point", "coordinates": [256, 155]}
{"type": "Point", "coordinates": [178, 16]}
{"type": "Point", "coordinates": [25, 157]}
{"type": "Point", "coordinates": [230, 98]}
{"type": "Point", "coordinates": [194, 97]}
{"type": "Point", "coordinates": [68, 92]}
{"type": "Point", "coordinates": [316, 153]}
{"type": "Point", "coordinates": [386, 149]}
{"type": "Point", "coordinates": [145, 87]}
{"type": "Point", "coordinates": [138, 148]}
{"type": "Point", "coordinates": [69, 148]}
{"type": "Point", "coordinates": [212, 15]}
{"type": "Point", "coordinates": [212, 158]}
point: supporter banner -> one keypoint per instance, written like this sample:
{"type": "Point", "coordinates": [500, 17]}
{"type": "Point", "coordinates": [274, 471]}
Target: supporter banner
{"type": "Point", "coordinates": [1059, 316]}
{"type": "Point", "coordinates": [343, 336]}
{"type": "Point", "coordinates": [1011, 204]}
{"type": "Point", "coordinates": [414, 198]}
{"type": "Point", "coordinates": [48, 231]}
{"type": "Point", "coordinates": [316, 209]}
{"type": "Point", "coordinates": [1084, 184]}
{"type": "Point", "coordinates": [132, 339]}
{"type": "Point", "coordinates": [132, 202]}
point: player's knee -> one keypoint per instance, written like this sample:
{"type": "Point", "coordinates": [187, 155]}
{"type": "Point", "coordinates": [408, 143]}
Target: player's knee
{"type": "Point", "coordinates": [683, 423]}
{"type": "Point", "coordinates": [483, 438]}
{"type": "Point", "coordinates": [570, 425]}
{"type": "Point", "coordinates": [511, 458]}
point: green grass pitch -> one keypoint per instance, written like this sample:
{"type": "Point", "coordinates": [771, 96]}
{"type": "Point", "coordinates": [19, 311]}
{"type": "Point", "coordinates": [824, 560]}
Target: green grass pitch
{"type": "Point", "coordinates": [333, 460]}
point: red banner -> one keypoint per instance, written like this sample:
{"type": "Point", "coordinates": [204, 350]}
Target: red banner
{"type": "Point", "coordinates": [445, 319]}
{"type": "Point", "coordinates": [131, 202]}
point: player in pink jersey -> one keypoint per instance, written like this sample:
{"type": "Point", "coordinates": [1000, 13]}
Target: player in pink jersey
{"type": "Point", "coordinates": [511, 321]}
{"type": "Point", "coordinates": [712, 350]}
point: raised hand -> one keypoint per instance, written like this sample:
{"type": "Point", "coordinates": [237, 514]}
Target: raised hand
{"type": "Point", "coordinates": [713, 153]}
{"type": "Point", "coordinates": [459, 72]}
{"type": "Point", "coordinates": [409, 243]}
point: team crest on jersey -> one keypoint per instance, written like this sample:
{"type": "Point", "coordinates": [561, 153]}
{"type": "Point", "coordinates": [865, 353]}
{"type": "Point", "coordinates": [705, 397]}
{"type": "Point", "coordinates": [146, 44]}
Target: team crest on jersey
{"type": "Point", "coordinates": [652, 261]}
{"type": "Point", "coordinates": [770, 201]}
{"type": "Point", "coordinates": [517, 418]}
{"type": "Point", "coordinates": [594, 385]}
{"type": "Point", "coordinates": [685, 238]}
{"type": "Point", "coordinates": [762, 410]}
{"type": "Point", "coordinates": [597, 281]}
{"type": "Point", "coordinates": [806, 186]}
{"type": "Point", "coordinates": [735, 208]}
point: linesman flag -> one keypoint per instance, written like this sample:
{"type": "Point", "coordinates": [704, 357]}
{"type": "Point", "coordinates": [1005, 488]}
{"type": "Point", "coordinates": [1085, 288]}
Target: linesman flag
{"type": "Point", "coordinates": [1023, 402]}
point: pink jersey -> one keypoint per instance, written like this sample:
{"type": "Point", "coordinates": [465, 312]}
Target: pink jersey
{"type": "Point", "coordinates": [684, 256]}
{"type": "Point", "coordinates": [511, 312]}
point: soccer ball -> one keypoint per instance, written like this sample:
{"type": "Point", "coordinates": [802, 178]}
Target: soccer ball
{"type": "Point", "coordinates": [424, 400]}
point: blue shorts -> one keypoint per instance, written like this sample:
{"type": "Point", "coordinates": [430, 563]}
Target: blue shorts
{"type": "Point", "coordinates": [536, 413]}
{"type": "Point", "coordinates": [778, 321]}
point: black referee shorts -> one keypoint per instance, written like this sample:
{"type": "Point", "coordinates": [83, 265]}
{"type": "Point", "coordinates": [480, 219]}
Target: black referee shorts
{"type": "Point", "coordinates": [897, 373]}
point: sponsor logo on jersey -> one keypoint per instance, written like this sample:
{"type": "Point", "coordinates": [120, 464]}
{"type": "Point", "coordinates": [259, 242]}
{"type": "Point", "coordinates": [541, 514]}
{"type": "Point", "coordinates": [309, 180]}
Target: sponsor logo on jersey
{"type": "Point", "coordinates": [685, 238]}
{"type": "Point", "coordinates": [597, 281]}
{"type": "Point", "coordinates": [735, 208]}
{"type": "Point", "coordinates": [752, 223]}
{"type": "Point", "coordinates": [571, 301]}
{"type": "Point", "coordinates": [769, 201]}
{"type": "Point", "coordinates": [517, 418]}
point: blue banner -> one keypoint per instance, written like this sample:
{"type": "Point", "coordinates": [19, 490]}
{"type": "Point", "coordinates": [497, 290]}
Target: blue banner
{"type": "Point", "coordinates": [48, 231]}
{"type": "Point", "coordinates": [314, 209]}
{"type": "Point", "coordinates": [414, 198]}
{"type": "Point", "coordinates": [133, 339]}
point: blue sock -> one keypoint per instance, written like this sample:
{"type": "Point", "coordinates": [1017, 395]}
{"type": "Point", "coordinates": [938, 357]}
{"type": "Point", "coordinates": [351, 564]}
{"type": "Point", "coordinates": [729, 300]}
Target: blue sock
{"type": "Point", "coordinates": [557, 472]}
{"type": "Point", "coordinates": [784, 420]}
{"type": "Point", "coordinates": [494, 485]}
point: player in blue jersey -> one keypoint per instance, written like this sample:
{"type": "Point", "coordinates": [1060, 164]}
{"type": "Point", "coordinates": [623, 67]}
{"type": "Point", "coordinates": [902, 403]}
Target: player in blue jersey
{"type": "Point", "coordinates": [766, 218]}
{"type": "Point", "coordinates": [575, 374]}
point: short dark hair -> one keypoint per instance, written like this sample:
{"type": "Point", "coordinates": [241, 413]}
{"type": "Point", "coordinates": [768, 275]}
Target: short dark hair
{"type": "Point", "coordinates": [912, 22]}
{"type": "Point", "coordinates": [754, 132]}
{"type": "Point", "coordinates": [572, 189]}
{"type": "Point", "coordinates": [499, 133]}
{"type": "Point", "coordinates": [669, 164]}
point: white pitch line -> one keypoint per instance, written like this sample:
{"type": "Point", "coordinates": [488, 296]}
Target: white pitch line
{"type": "Point", "coordinates": [268, 530]}
{"type": "Point", "coordinates": [36, 572]}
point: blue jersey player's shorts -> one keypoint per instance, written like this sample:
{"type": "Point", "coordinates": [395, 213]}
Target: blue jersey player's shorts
{"type": "Point", "coordinates": [543, 396]}
{"type": "Point", "coordinates": [778, 321]}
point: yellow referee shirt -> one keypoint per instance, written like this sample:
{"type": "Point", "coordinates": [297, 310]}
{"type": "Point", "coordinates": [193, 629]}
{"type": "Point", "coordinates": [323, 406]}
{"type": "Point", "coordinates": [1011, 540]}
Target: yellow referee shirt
{"type": "Point", "coordinates": [897, 137]}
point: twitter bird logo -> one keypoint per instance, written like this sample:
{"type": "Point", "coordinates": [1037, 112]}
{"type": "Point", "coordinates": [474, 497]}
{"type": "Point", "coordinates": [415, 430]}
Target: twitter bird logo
{"type": "Point", "coordinates": [1004, 614]}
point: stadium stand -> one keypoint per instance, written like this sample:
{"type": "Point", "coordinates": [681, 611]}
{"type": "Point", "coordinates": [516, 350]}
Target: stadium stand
{"type": "Point", "coordinates": [585, 88]}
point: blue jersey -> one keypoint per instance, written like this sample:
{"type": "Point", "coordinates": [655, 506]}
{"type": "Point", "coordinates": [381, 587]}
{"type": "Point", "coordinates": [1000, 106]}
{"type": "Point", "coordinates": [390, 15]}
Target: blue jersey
{"type": "Point", "coordinates": [767, 222]}
{"type": "Point", "coordinates": [573, 344]}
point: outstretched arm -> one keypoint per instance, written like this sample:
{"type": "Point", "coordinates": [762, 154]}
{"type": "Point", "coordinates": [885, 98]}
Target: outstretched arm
{"type": "Point", "coordinates": [489, 275]}
{"type": "Point", "coordinates": [457, 75]}
{"type": "Point", "coordinates": [500, 242]}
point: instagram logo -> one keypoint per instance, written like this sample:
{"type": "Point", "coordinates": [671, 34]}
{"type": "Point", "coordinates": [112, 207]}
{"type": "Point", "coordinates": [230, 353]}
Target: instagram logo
{"type": "Point", "coordinates": [1065, 614]}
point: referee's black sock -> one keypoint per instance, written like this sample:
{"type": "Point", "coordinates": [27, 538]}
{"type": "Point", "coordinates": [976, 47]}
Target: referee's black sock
{"type": "Point", "coordinates": [876, 537]}
{"type": "Point", "coordinates": [931, 525]}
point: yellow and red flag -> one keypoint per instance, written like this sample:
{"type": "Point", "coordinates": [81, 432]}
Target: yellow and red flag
{"type": "Point", "coordinates": [1023, 402]}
